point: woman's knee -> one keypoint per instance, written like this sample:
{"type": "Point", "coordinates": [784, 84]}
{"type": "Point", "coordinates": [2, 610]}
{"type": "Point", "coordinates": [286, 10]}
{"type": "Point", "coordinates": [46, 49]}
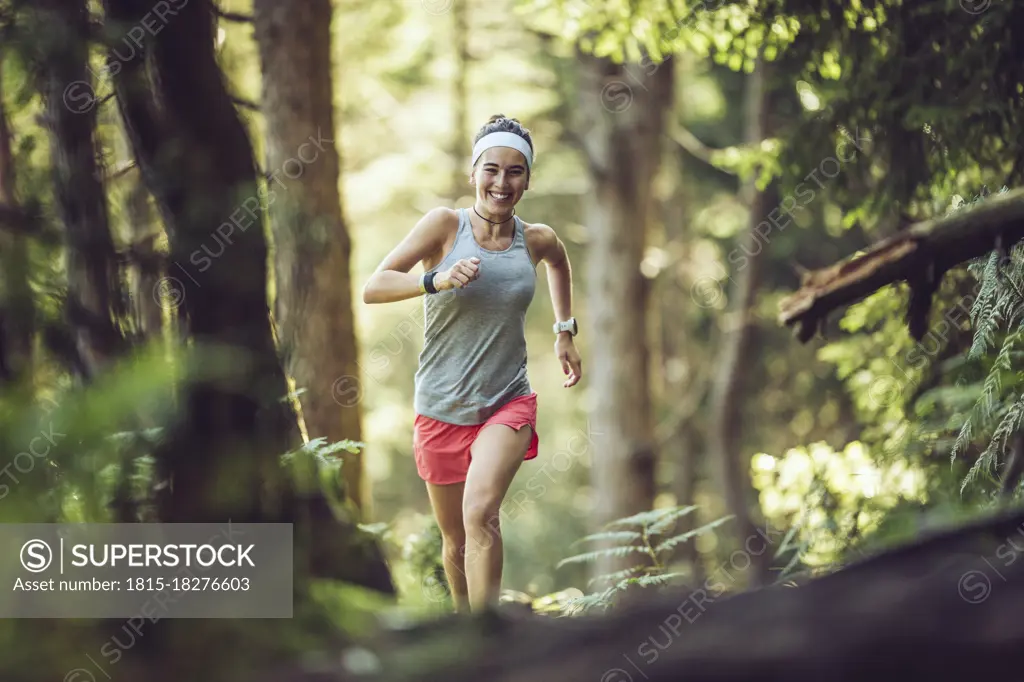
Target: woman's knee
{"type": "Point", "coordinates": [453, 542]}
{"type": "Point", "coordinates": [481, 513]}
{"type": "Point", "coordinates": [450, 524]}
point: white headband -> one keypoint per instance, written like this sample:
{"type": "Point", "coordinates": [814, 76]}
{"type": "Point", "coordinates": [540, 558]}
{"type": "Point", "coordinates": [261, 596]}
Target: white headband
{"type": "Point", "coordinates": [503, 139]}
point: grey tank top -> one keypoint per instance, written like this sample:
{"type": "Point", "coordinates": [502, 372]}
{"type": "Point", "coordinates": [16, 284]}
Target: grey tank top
{"type": "Point", "coordinates": [474, 339]}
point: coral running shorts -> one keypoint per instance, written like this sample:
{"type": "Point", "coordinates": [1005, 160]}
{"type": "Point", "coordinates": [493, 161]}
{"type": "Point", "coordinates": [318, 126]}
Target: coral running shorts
{"type": "Point", "coordinates": [442, 449]}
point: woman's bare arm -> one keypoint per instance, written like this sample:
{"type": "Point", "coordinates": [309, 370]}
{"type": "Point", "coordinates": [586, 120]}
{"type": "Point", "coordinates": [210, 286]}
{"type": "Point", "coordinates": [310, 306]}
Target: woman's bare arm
{"type": "Point", "coordinates": [547, 248]}
{"type": "Point", "coordinates": [392, 280]}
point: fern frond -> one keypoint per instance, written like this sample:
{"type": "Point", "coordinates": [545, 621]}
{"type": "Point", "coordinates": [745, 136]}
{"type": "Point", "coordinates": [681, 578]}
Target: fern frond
{"type": "Point", "coordinates": [787, 571]}
{"type": "Point", "coordinates": [784, 545]}
{"type": "Point", "coordinates": [987, 401]}
{"type": "Point", "coordinates": [666, 521]}
{"type": "Point", "coordinates": [1014, 276]}
{"type": "Point", "coordinates": [1015, 316]}
{"type": "Point", "coordinates": [643, 519]}
{"type": "Point", "coordinates": [320, 449]}
{"type": "Point", "coordinates": [982, 318]}
{"type": "Point", "coordinates": [672, 542]}
{"type": "Point", "coordinates": [347, 445]}
{"type": "Point", "coordinates": [1002, 309]}
{"type": "Point", "coordinates": [609, 551]}
{"type": "Point", "coordinates": [584, 604]}
{"type": "Point", "coordinates": [616, 576]}
{"type": "Point", "coordinates": [963, 439]}
{"type": "Point", "coordinates": [663, 579]}
{"type": "Point", "coordinates": [994, 381]}
{"type": "Point", "coordinates": [985, 405]}
{"type": "Point", "coordinates": [1014, 299]}
{"type": "Point", "coordinates": [1010, 420]}
{"type": "Point", "coordinates": [613, 535]}
{"type": "Point", "coordinates": [972, 475]}
{"type": "Point", "coordinates": [1008, 425]}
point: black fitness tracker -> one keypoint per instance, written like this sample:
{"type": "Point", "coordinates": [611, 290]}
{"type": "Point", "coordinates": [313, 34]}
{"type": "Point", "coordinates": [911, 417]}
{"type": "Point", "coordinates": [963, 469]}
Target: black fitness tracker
{"type": "Point", "coordinates": [428, 282]}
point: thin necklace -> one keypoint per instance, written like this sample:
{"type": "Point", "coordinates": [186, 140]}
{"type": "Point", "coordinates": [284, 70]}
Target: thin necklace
{"type": "Point", "coordinates": [494, 222]}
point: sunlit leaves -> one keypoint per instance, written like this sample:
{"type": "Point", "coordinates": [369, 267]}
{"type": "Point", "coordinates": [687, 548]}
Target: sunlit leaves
{"type": "Point", "coordinates": [882, 366]}
{"type": "Point", "coordinates": [730, 33]}
{"type": "Point", "coordinates": [829, 67]}
{"type": "Point", "coordinates": [918, 396]}
{"type": "Point", "coordinates": [858, 55]}
{"type": "Point", "coordinates": [612, 45]}
{"type": "Point", "coordinates": [821, 494]}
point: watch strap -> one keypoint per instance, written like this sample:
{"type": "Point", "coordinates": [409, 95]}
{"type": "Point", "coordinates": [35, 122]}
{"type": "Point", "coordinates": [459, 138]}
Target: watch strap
{"type": "Point", "coordinates": [566, 326]}
{"type": "Point", "coordinates": [427, 283]}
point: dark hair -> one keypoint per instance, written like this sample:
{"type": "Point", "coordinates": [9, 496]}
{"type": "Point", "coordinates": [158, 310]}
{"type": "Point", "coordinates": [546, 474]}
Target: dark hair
{"type": "Point", "coordinates": [501, 123]}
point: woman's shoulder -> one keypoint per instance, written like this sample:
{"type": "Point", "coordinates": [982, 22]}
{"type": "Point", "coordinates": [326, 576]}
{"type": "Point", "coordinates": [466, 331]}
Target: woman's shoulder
{"type": "Point", "coordinates": [441, 222]}
{"type": "Point", "coordinates": [442, 215]}
{"type": "Point", "coordinates": [539, 237]}
{"type": "Point", "coordinates": [537, 230]}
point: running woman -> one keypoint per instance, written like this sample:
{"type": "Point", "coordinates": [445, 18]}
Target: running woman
{"type": "Point", "coordinates": [476, 414]}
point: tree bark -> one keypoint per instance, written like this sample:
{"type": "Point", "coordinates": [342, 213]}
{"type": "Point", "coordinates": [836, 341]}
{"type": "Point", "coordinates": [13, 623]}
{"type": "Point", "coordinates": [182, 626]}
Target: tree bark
{"type": "Point", "coordinates": [312, 246]}
{"type": "Point", "coordinates": [738, 346]}
{"type": "Point", "coordinates": [620, 135]}
{"type": "Point", "coordinates": [60, 29]}
{"type": "Point", "coordinates": [945, 607]}
{"type": "Point", "coordinates": [17, 312]}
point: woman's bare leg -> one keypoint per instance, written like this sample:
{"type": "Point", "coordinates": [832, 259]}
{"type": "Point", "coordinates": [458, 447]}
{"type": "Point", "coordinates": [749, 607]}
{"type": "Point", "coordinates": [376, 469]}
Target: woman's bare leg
{"type": "Point", "coordinates": [498, 452]}
{"type": "Point", "coordinates": [446, 501]}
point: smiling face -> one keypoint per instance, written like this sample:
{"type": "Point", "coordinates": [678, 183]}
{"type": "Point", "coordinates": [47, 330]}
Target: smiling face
{"type": "Point", "coordinates": [500, 178]}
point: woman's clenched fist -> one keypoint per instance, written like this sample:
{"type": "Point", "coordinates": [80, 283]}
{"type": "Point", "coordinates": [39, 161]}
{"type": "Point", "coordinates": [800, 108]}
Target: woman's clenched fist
{"type": "Point", "coordinates": [458, 275]}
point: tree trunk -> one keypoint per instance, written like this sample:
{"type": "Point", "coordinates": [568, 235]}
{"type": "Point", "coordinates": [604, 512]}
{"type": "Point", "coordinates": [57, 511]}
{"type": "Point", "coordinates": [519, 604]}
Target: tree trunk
{"type": "Point", "coordinates": [683, 445]}
{"type": "Point", "coordinates": [685, 457]}
{"type": "Point", "coordinates": [312, 247]}
{"type": "Point", "coordinates": [738, 349]}
{"type": "Point", "coordinates": [223, 456]}
{"type": "Point", "coordinates": [620, 135]}
{"type": "Point", "coordinates": [944, 607]}
{"type": "Point", "coordinates": [147, 266]}
{"type": "Point", "coordinates": [222, 459]}
{"type": "Point", "coordinates": [459, 150]}
{"type": "Point", "coordinates": [60, 29]}
{"type": "Point", "coordinates": [17, 312]}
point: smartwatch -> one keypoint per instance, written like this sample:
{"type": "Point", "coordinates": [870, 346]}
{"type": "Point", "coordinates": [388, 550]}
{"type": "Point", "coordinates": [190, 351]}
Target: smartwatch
{"type": "Point", "coordinates": [567, 326]}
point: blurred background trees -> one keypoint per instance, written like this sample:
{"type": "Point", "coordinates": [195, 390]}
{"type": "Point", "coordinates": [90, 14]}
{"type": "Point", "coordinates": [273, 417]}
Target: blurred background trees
{"type": "Point", "coordinates": [189, 199]}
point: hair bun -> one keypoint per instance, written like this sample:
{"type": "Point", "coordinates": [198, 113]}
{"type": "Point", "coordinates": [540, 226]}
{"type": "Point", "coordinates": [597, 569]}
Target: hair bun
{"type": "Point", "coordinates": [496, 118]}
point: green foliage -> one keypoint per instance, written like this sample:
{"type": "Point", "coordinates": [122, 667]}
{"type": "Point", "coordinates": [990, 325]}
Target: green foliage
{"type": "Point", "coordinates": [80, 439]}
{"type": "Point", "coordinates": [650, 535]}
{"type": "Point", "coordinates": [932, 136]}
{"type": "Point", "coordinates": [314, 465]}
{"type": "Point", "coordinates": [655, 29]}
{"type": "Point", "coordinates": [956, 392]}
{"type": "Point", "coordinates": [937, 124]}
{"type": "Point", "coordinates": [998, 319]}
{"type": "Point", "coordinates": [421, 556]}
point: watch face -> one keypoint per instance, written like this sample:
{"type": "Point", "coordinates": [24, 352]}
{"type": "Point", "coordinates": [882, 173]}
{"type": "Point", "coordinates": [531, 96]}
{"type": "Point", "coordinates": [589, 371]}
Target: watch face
{"type": "Point", "coordinates": [567, 326]}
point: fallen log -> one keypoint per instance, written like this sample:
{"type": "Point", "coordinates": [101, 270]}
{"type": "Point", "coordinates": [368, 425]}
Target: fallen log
{"type": "Point", "coordinates": [919, 255]}
{"type": "Point", "coordinates": [947, 607]}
